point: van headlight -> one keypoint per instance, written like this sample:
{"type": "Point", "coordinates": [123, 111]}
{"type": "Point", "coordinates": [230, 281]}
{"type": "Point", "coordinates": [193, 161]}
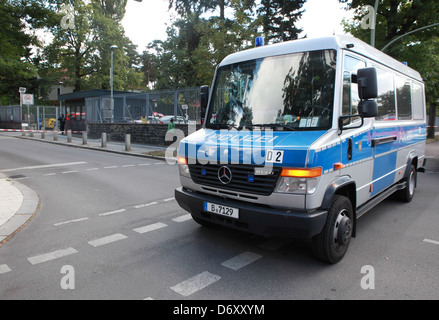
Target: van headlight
{"type": "Point", "coordinates": [299, 181]}
{"type": "Point", "coordinates": [183, 167]}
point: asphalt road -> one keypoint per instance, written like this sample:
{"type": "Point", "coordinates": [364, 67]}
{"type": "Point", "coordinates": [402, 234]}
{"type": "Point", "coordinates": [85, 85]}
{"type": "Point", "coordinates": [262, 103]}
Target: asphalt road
{"type": "Point", "coordinates": [108, 227]}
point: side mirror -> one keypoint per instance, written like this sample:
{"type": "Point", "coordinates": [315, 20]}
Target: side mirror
{"type": "Point", "coordinates": [204, 99]}
{"type": "Point", "coordinates": [367, 83]}
{"type": "Point", "coordinates": [368, 108]}
{"type": "Point", "coordinates": [367, 89]}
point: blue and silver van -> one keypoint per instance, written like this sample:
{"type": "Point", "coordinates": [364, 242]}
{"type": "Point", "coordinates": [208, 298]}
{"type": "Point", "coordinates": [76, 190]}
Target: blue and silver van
{"type": "Point", "coordinates": [303, 137]}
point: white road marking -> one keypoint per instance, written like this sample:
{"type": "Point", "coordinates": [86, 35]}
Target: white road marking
{"type": "Point", "coordinates": [169, 199]}
{"type": "Point", "coordinates": [144, 164]}
{"type": "Point", "coordinates": [49, 174]}
{"type": "Point", "coordinates": [107, 240]}
{"type": "Point", "coordinates": [4, 268]}
{"type": "Point", "coordinates": [241, 260]}
{"type": "Point", "coordinates": [112, 212]}
{"type": "Point", "coordinates": [431, 241]}
{"type": "Point", "coordinates": [127, 165]}
{"type": "Point", "coordinates": [72, 171]}
{"type": "Point", "coordinates": [51, 256]}
{"type": "Point", "coordinates": [150, 227]}
{"type": "Point", "coordinates": [70, 221]}
{"type": "Point", "coordinates": [183, 218]}
{"type": "Point", "coordinates": [110, 167]}
{"type": "Point", "coordinates": [45, 166]}
{"type": "Point", "coordinates": [92, 169]}
{"type": "Point", "coordinates": [145, 205]}
{"type": "Point", "coordinates": [196, 283]}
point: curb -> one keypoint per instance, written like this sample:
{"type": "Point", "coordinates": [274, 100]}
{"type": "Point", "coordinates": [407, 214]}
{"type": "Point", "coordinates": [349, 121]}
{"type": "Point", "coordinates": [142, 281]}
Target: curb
{"type": "Point", "coordinates": [96, 148]}
{"type": "Point", "coordinates": [28, 209]}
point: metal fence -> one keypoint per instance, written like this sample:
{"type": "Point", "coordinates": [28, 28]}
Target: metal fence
{"type": "Point", "coordinates": [183, 104]}
{"type": "Point", "coordinates": [33, 117]}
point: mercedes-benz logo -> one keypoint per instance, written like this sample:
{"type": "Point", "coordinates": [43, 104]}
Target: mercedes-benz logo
{"type": "Point", "coordinates": [225, 175]}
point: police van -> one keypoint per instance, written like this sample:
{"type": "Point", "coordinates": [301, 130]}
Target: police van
{"type": "Point", "coordinates": [301, 138]}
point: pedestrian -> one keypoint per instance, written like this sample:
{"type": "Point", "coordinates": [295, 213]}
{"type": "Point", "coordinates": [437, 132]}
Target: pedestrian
{"type": "Point", "coordinates": [171, 129]}
{"type": "Point", "coordinates": [62, 122]}
{"type": "Point", "coordinates": [171, 124]}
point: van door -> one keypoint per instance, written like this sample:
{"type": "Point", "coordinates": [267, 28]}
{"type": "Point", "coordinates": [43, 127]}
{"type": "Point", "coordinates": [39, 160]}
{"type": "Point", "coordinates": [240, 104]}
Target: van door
{"type": "Point", "coordinates": [356, 143]}
{"type": "Point", "coordinates": [385, 136]}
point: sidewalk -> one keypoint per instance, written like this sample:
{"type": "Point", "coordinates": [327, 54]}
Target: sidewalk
{"type": "Point", "coordinates": [18, 205]}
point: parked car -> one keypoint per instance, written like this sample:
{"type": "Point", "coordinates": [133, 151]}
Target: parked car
{"type": "Point", "coordinates": [179, 120]}
{"type": "Point", "coordinates": [153, 120]}
{"type": "Point", "coordinates": [139, 120]}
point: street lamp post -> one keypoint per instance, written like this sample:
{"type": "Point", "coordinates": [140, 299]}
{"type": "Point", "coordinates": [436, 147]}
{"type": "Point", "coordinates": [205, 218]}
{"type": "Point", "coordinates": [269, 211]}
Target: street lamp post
{"type": "Point", "coordinates": [112, 48]}
{"type": "Point", "coordinates": [58, 112]}
{"type": "Point", "coordinates": [372, 33]}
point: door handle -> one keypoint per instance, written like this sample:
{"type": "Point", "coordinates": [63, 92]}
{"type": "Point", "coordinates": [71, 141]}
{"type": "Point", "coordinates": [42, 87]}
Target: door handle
{"type": "Point", "coordinates": [383, 140]}
{"type": "Point", "coordinates": [350, 147]}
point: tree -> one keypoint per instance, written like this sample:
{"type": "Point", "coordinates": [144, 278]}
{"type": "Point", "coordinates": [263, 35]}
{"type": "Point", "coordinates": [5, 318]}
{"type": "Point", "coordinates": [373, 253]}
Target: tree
{"type": "Point", "coordinates": [107, 17]}
{"type": "Point", "coordinates": [17, 63]}
{"type": "Point", "coordinates": [209, 30]}
{"type": "Point", "coordinates": [71, 54]}
{"type": "Point", "coordinates": [279, 18]}
{"type": "Point", "coordinates": [80, 55]}
{"type": "Point", "coordinates": [395, 19]}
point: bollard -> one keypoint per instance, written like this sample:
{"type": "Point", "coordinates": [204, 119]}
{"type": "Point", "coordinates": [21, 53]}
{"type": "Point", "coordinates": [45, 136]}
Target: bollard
{"type": "Point", "coordinates": [55, 135]}
{"type": "Point", "coordinates": [69, 136]}
{"type": "Point", "coordinates": [84, 137]}
{"type": "Point", "coordinates": [103, 140]}
{"type": "Point", "coordinates": [128, 142]}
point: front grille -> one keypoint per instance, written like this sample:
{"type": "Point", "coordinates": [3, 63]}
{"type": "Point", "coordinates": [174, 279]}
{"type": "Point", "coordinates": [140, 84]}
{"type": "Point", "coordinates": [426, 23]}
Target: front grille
{"type": "Point", "coordinates": [243, 180]}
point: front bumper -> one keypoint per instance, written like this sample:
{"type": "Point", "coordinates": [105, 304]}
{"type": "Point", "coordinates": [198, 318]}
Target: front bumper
{"type": "Point", "coordinates": [253, 218]}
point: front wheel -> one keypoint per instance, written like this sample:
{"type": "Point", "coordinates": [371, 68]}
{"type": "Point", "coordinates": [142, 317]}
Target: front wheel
{"type": "Point", "coordinates": [333, 242]}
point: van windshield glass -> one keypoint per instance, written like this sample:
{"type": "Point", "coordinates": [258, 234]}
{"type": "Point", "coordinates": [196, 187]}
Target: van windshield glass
{"type": "Point", "coordinates": [288, 92]}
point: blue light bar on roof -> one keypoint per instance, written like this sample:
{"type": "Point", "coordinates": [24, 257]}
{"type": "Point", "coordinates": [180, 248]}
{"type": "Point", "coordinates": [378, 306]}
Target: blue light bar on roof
{"type": "Point", "coordinates": [259, 42]}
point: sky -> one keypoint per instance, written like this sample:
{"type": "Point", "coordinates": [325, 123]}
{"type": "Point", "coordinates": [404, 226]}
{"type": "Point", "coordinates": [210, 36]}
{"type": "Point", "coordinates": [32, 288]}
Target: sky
{"type": "Point", "coordinates": [147, 20]}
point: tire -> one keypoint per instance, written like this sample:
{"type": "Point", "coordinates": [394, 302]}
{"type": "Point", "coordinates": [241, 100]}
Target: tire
{"type": "Point", "coordinates": [406, 194]}
{"type": "Point", "coordinates": [332, 243]}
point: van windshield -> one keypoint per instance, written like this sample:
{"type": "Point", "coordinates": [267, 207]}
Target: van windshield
{"type": "Point", "coordinates": [288, 92]}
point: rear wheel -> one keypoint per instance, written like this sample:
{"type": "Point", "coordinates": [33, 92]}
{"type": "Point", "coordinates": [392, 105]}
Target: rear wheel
{"type": "Point", "coordinates": [408, 192]}
{"type": "Point", "coordinates": [333, 242]}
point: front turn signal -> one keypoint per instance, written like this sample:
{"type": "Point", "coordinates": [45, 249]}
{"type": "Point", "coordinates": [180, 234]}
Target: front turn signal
{"type": "Point", "coordinates": [302, 172]}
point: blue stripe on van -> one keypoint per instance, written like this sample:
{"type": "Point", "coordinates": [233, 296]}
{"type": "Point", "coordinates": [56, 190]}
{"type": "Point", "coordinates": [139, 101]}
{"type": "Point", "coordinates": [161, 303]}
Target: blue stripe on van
{"type": "Point", "coordinates": [383, 172]}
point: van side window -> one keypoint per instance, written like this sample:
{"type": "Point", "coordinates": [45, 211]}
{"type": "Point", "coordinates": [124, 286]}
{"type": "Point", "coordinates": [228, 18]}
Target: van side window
{"type": "Point", "coordinates": [350, 88]}
{"type": "Point", "coordinates": [417, 101]}
{"type": "Point", "coordinates": [386, 96]}
{"type": "Point", "coordinates": [403, 98]}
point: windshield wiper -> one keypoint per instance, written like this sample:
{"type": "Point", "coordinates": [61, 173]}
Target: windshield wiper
{"type": "Point", "coordinates": [219, 126]}
{"type": "Point", "coordinates": [274, 126]}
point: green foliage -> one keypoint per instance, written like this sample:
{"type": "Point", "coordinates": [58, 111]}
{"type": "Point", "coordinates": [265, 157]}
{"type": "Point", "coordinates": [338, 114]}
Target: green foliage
{"type": "Point", "coordinates": [197, 43]}
{"type": "Point", "coordinates": [395, 19]}
{"type": "Point", "coordinates": [17, 67]}
{"type": "Point", "coordinates": [79, 55]}
{"type": "Point", "coordinates": [279, 18]}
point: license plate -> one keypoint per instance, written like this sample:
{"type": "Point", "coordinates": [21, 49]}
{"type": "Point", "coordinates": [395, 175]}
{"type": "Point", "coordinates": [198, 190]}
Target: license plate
{"type": "Point", "coordinates": [221, 210]}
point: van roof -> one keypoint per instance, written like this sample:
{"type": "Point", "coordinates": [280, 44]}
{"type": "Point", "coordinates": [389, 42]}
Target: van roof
{"type": "Point", "coordinates": [324, 43]}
